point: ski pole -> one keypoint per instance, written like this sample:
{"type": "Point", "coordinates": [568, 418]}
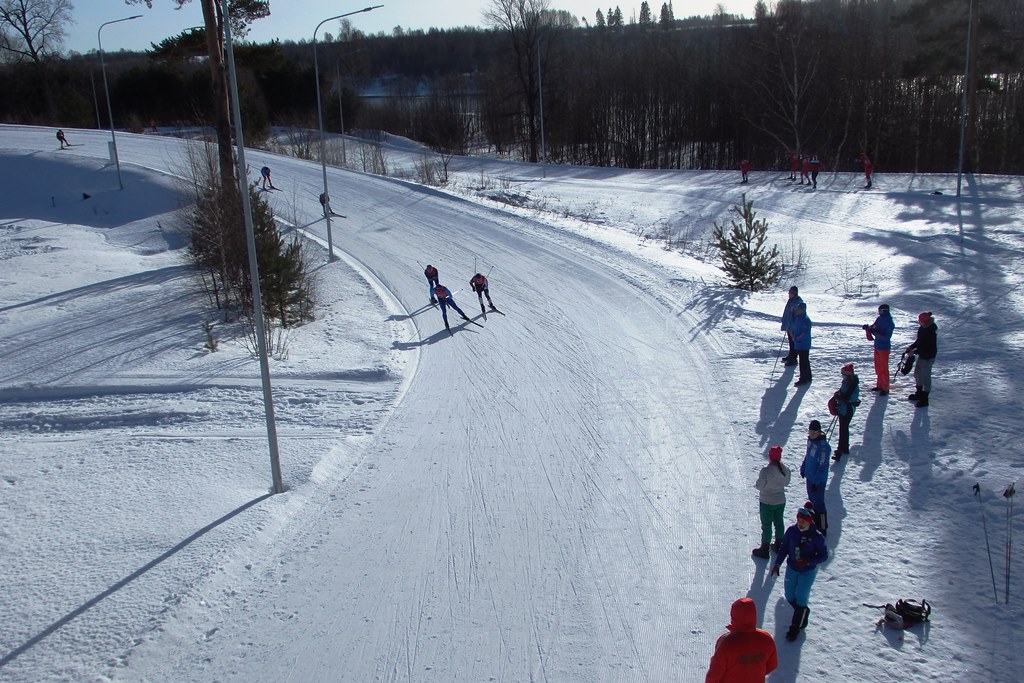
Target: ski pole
{"type": "Point", "coordinates": [984, 525]}
{"type": "Point", "coordinates": [898, 366]}
{"type": "Point", "coordinates": [777, 354]}
{"type": "Point", "coordinates": [1008, 495]}
{"type": "Point", "coordinates": [831, 426]}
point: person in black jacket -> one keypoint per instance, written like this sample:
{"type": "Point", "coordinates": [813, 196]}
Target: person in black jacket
{"type": "Point", "coordinates": [926, 346]}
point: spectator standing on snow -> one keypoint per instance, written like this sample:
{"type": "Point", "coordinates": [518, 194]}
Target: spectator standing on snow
{"type": "Point", "coordinates": [744, 169]}
{"type": "Point", "coordinates": [847, 399]}
{"type": "Point", "coordinates": [801, 331]}
{"type": "Point", "coordinates": [63, 141]}
{"type": "Point", "coordinates": [880, 332]}
{"type": "Point", "coordinates": [794, 165]}
{"type": "Point", "coordinates": [478, 283]}
{"type": "Point", "coordinates": [815, 170]}
{"type": "Point", "coordinates": [814, 469]}
{"type": "Point", "coordinates": [746, 653]}
{"type": "Point", "coordinates": [925, 347]}
{"type": "Point", "coordinates": [804, 549]}
{"type": "Point", "coordinates": [869, 168]}
{"type": "Point", "coordinates": [265, 173]}
{"type": "Point", "coordinates": [771, 486]}
{"type": "Point", "coordinates": [788, 313]}
{"type": "Point", "coordinates": [430, 272]}
{"type": "Point", "coordinates": [444, 297]}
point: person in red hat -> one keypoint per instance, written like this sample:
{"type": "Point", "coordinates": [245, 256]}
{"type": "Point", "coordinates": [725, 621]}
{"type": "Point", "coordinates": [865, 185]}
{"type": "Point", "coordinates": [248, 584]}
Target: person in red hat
{"type": "Point", "coordinates": [771, 486]}
{"type": "Point", "coordinates": [926, 347]}
{"type": "Point", "coordinates": [746, 654]}
{"type": "Point", "coordinates": [847, 399]}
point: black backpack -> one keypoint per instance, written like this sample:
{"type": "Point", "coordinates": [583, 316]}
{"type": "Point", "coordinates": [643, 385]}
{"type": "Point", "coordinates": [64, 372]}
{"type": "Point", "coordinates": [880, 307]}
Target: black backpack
{"type": "Point", "coordinates": [904, 614]}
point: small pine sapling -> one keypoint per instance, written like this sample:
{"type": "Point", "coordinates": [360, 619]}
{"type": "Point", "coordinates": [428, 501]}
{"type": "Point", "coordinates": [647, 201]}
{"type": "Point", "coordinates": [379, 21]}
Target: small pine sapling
{"type": "Point", "coordinates": [745, 258]}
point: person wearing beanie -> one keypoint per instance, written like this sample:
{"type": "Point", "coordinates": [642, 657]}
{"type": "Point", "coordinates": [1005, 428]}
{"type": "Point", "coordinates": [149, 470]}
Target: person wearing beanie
{"type": "Point", "coordinates": [847, 399]}
{"type": "Point", "coordinates": [804, 549]}
{"type": "Point", "coordinates": [787, 319]}
{"type": "Point", "coordinates": [925, 347]}
{"type": "Point", "coordinates": [771, 486]}
{"type": "Point", "coordinates": [814, 469]}
{"type": "Point", "coordinates": [880, 332]}
{"type": "Point", "coordinates": [746, 653]}
{"type": "Point", "coordinates": [800, 328]}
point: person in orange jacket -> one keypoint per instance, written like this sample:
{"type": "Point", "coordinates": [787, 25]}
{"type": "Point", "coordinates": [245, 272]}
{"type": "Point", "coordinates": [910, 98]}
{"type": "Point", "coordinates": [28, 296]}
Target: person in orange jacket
{"type": "Point", "coordinates": [746, 654]}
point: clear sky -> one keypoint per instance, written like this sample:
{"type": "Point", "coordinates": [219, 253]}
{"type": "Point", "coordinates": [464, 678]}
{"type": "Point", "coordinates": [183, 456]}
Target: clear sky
{"type": "Point", "coordinates": [296, 19]}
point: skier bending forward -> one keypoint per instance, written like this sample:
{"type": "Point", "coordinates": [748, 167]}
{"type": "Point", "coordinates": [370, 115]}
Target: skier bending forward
{"type": "Point", "coordinates": [444, 297]}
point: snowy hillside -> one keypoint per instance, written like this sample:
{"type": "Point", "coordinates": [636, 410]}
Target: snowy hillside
{"type": "Point", "coordinates": [562, 493]}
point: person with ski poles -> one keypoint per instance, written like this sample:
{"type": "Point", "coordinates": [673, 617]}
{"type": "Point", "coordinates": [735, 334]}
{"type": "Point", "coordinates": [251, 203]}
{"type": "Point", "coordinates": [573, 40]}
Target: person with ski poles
{"type": "Point", "coordinates": [800, 328]}
{"type": "Point", "coordinates": [444, 297]}
{"type": "Point", "coordinates": [478, 283]}
{"type": "Point", "coordinates": [63, 140]}
{"type": "Point", "coordinates": [265, 173]}
{"type": "Point", "coordinates": [787, 320]}
{"type": "Point", "coordinates": [814, 469]}
{"type": "Point", "coordinates": [925, 347]}
{"type": "Point", "coordinates": [846, 398]}
{"type": "Point", "coordinates": [869, 169]}
{"type": "Point", "coordinates": [745, 653]}
{"type": "Point", "coordinates": [430, 272]}
{"type": "Point", "coordinates": [880, 332]}
{"type": "Point", "coordinates": [804, 548]}
{"type": "Point", "coordinates": [771, 486]}
{"type": "Point", "coordinates": [815, 170]}
{"type": "Point", "coordinates": [744, 169]}
{"type": "Point", "coordinates": [794, 165]}
{"type": "Point", "coordinates": [805, 170]}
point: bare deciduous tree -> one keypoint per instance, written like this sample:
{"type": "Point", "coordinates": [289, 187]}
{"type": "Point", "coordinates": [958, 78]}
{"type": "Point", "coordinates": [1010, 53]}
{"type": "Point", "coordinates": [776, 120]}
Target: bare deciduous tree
{"type": "Point", "coordinates": [32, 30]}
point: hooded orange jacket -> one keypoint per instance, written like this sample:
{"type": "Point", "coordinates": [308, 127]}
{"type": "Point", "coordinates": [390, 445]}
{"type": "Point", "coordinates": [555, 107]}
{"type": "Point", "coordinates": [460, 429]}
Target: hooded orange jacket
{"type": "Point", "coordinates": [746, 654]}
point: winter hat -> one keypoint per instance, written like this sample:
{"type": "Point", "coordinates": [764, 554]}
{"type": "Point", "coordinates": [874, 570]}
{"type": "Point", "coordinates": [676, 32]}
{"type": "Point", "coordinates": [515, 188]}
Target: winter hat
{"type": "Point", "coordinates": [815, 425]}
{"type": "Point", "coordinates": [925, 318]}
{"type": "Point", "coordinates": [809, 505]}
{"type": "Point", "coordinates": [847, 369]}
{"type": "Point", "coordinates": [804, 513]}
{"type": "Point", "coordinates": [884, 308]}
{"type": "Point", "coordinates": [775, 453]}
{"type": "Point", "coordinates": [794, 290]}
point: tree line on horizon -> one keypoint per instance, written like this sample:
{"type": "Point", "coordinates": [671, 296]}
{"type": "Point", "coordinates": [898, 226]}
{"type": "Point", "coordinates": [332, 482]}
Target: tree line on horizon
{"type": "Point", "coordinates": [827, 77]}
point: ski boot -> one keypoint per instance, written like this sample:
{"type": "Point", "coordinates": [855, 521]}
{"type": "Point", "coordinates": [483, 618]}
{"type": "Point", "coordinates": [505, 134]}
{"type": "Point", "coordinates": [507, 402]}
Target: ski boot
{"type": "Point", "coordinates": [761, 551]}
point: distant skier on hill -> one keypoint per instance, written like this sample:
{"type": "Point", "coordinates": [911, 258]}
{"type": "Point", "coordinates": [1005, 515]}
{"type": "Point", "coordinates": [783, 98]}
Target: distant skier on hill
{"type": "Point", "coordinates": [478, 283]}
{"type": "Point", "coordinates": [430, 272]}
{"type": "Point", "coordinates": [744, 169]}
{"type": "Point", "coordinates": [815, 170]}
{"type": "Point", "coordinates": [62, 139]}
{"type": "Point", "coordinates": [265, 173]}
{"type": "Point", "coordinates": [805, 170]}
{"type": "Point", "coordinates": [444, 297]}
{"type": "Point", "coordinates": [869, 169]}
{"type": "Point", "coordinates": [794, 165]}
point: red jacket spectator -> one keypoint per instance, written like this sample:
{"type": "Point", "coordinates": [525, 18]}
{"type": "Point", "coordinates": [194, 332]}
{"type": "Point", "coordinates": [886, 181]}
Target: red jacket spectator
{"type": "Point", "coordinates": [746, 654]}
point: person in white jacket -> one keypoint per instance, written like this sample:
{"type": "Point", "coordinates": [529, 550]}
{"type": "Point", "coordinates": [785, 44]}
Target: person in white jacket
{"type": "Point", "coordinates": [771, 485]}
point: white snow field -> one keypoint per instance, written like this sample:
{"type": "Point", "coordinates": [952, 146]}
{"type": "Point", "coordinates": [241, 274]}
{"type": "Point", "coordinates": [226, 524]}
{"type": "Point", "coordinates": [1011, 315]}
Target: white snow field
{"type": "Point", "coordinates": [562, 493]}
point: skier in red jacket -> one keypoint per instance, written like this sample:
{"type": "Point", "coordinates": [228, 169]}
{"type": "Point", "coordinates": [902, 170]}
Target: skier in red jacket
{"type": "Point", "coordinates": [745, 169]}
{"type": "Point", "coordinates": [805, 170]}
{"type": "Point", "coordinates": [794, 165]}
{"type": "Point", "coordinates": [746, 654]}
{"type": "Point", "coordinates": [869, 168]}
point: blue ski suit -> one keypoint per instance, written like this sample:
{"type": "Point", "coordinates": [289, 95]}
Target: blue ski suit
{"type": "Point", "coordinates": [444, 297]}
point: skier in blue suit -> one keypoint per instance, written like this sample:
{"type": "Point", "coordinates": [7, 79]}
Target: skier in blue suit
{"type": "Point", "coordinates": [444, 297]}
{"type": "Point", "coordinates": [815, 470]}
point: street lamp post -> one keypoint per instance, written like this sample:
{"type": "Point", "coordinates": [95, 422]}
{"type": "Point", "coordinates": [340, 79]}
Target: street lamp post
{"type": "Point", "coordinates": [341, 112]}
{"type": "Point", "coordinates": [320, 120]}
{"type": "Point", "coordinates": [254, 273]}
{"type": "Point", "coordinates": [106, 90]}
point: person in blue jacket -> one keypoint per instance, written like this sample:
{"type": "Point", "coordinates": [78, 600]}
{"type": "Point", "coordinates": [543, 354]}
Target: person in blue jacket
{"type": "Point", "coordinates": [880, 332]}
{"type": "Point", "coordinates": [800, 329]}
{"type": "Point", "coordinates": [444, 297]}
{"type": "Point", "coordinates": [814, 469]}
{"type": "Point", "coordinates": [804, 549]}
{"type": "Point", "coordinates": [847, 399]}
{"type": "Point", "coordinates": [787, 319]}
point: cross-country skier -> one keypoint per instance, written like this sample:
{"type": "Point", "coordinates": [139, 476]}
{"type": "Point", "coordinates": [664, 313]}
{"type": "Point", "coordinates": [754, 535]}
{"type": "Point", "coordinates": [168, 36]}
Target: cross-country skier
{"type": "Point", "coordinates": [815, 170]}
{"type": "Point", "coordinates": [847, 399]}
{"type": "Point", "coordinates": [869, 168]}
{"type": "Point", "coordinates": [444, 297]}
{"type": "Point", "coordinates": [804, 549]}
{"type": "Point", "coordinates": [805, 170]}
{"type": "Point", "coordinates": [814, 469]}
{"type": "Point", "coordinates": [430, 272]}
{"type": "Point", "coordinates": [880, 332]}
{"type": "Point", "coordinates": [62, 139]}
{"type": "Point", "coordinates": [800, 328]}
{"type": "Point", "coordinates": [744, 169]}
{"type": "Point", "coordinates": [265, 172]}
{"type": "Point", "coordinates": [794, 165]}
{"type": "Point", "coordinates": [478, 283]}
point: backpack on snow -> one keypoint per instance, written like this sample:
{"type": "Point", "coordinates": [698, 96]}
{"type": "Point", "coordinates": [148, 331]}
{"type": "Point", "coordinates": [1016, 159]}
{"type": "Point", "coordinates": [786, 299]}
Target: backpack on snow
{"type": "Point", "coordinates": [904, 614]}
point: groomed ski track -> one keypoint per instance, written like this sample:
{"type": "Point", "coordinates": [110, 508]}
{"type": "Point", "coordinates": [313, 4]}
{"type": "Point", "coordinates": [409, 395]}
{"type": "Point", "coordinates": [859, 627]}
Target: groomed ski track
{"type": "Point", "coordinates": [551, 499]}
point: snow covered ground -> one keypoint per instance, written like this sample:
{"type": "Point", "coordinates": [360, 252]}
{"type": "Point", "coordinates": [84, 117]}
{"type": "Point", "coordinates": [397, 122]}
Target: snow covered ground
{"type": "Point", "coordinates": [564, 494]}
